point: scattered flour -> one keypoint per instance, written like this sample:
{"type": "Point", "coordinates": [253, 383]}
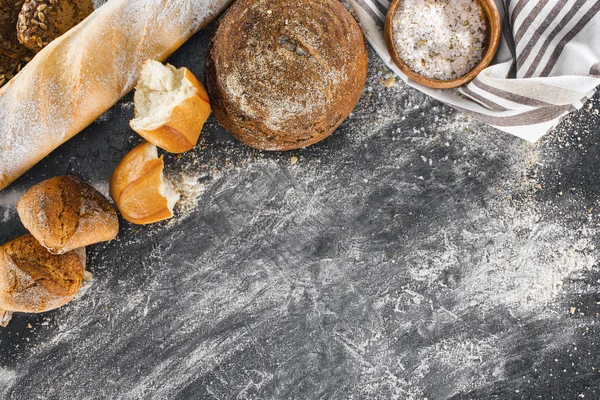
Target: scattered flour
{"type": "Point", "coordinates": [7, 380]}
{"type": "Point", "coordinates": [8, 203]}
{"type": "Point", "coordinates": [275, 297]}
{"type": "Point", "coordinates": [98, 3]}
{"type": "Point", "coordinates": [517, 260]}
{"type": "Point", "coordinates": [190, 189]}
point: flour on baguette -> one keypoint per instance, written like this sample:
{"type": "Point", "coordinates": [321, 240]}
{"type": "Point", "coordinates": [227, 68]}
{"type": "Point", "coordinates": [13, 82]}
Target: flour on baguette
{"type": "Point", "coordinates": [81, 74]}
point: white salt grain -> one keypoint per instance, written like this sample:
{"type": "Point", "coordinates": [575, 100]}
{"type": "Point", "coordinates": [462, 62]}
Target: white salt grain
{"type": "Point", "coordinates": [440, 39]}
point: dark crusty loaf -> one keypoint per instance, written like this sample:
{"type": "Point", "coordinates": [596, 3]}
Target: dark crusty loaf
{"type": "Point", "coordinates": [65, 213]}
{"type": "Point", "coordinates": [33, 280]}
{"type": "Point", "coordinates": [285, 74]}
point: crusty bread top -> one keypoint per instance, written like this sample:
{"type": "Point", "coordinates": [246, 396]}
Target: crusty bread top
{"type": "Point", "coordinates": [64, 213]}
{"type": "Point", "coordinates": [42, 21]}
{"type": "Point", "coordinates": [140, 160]}
{"type": "Point", "coordinates": [284, 74]}
{"type": "Point", "coordinates": [59, 275]}
{"type": "Point", "coordinates": [55, 204]}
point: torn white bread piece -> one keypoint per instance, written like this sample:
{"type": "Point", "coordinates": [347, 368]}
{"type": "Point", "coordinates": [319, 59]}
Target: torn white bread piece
{"type": "Point", "coordinates": [171, 107]}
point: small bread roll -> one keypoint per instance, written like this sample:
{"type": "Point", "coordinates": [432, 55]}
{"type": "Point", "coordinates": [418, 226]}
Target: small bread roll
{"type": "Point", "coordinates": [33, 280]}
{"type": "Point", "coordinates": [65, 213]}
{"type": "Point", "coordinates": [171, 107]}
{"type": "Point", "coordinates": [139, 188]}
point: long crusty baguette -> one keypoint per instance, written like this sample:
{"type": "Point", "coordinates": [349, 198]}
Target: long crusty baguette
{"type": "Point", "coordinates": [83, 73]}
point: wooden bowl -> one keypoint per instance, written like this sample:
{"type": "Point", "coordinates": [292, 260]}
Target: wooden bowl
{"type": "Point", "coordinates": [492, 20]}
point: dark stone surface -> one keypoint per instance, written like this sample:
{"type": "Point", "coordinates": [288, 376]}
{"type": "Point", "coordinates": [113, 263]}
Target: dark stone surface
{"type": "Point", "coordinates": [416, 253]}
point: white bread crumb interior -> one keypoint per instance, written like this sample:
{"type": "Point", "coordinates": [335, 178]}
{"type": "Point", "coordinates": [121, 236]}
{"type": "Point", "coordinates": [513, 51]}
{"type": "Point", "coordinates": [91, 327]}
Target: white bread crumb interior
{"type": "Point", "coordinates": [166, 189]}
{"type": "Point", "coordinates": [151, 153]}
{"type": "Point", "coordinates": [159, 90]}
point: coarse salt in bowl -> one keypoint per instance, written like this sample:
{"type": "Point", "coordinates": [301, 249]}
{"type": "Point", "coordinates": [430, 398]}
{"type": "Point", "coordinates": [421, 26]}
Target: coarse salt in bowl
{"type": "Point", "coordinates": [442, 43]}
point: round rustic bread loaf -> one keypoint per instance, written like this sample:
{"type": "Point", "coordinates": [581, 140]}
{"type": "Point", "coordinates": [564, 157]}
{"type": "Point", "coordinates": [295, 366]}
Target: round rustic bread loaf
{"type": "Point", "coordinates": [33, 280]}
{"type": "Point", "coordinates": [285, 74]}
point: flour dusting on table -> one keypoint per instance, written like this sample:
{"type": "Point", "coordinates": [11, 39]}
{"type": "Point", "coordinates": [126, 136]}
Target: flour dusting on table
{"type": "Point", "coordinates": [413, 254]}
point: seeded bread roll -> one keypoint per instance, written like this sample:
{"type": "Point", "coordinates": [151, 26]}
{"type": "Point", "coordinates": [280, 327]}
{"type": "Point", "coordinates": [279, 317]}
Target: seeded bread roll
{"type": "Point", "coordinates": [42, 21]}
{"type": "Point", "coordinates": [283, 75]}
{"type": "Point", "coordinates": [33, 280]}
{"type": "Point", "coordinates": [65, 213]}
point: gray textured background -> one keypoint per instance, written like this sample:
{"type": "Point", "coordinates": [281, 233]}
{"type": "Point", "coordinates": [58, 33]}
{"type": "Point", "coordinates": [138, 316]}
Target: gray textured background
{"type": "Point", "coordinates": [414, 254]}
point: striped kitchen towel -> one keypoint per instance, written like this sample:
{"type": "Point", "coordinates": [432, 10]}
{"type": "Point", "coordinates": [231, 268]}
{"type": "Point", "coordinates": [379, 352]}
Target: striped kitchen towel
{"type": "Point", "coordinates": [547, 65]}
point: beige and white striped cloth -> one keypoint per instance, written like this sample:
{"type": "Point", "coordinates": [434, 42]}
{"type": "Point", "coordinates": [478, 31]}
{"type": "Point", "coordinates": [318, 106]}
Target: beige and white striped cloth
{"type": "Point", "coordinates": [548, 64]}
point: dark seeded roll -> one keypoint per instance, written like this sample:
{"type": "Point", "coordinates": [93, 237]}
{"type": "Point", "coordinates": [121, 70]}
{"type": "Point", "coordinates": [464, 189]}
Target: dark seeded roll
{"type": "Point", "coordinates": [283, 75]}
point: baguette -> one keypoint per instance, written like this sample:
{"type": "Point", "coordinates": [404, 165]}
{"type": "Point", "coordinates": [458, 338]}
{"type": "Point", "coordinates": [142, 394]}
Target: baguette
{"type": "Point", "coordinates": [81, 74]}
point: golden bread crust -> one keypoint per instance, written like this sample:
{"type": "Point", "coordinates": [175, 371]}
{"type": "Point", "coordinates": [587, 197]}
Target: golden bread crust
{"type": "Point", "coordinates": [34, 280]}
{"type": "Point", "coordinates": [182, 130]}
{"type": "Point", "coordinates": [135, 186]}
{"type": "Point", "coordinates": [65, 213]}
{"type": "Point", "coordinates": [84, 72]}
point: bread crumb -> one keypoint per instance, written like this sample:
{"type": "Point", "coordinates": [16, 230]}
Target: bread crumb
{"type": "Point", "coordinates": [572, 310]}
{"type": "Point", "coordinates": [87, 276]}
{"type": "Point", "coordinates": [389, 82]}
{"type": "Point", "coordinates": [293, 160]}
